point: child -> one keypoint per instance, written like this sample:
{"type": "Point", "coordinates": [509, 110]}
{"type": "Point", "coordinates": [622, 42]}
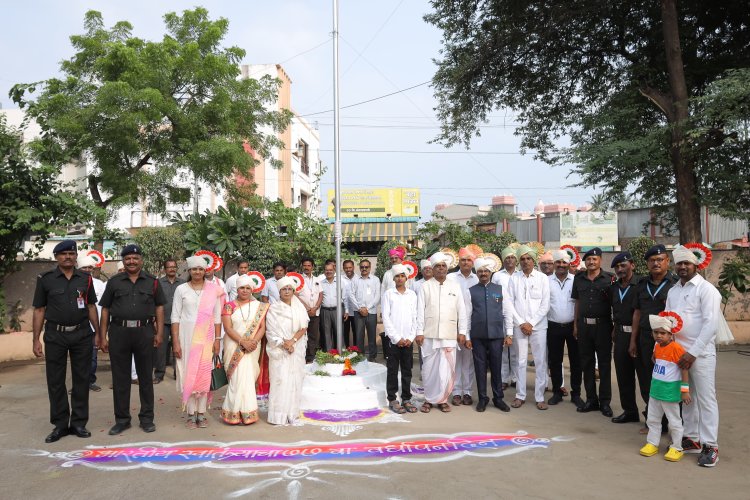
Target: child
{"type": "Point", "coordinates": [669, 386]}
{"type": "Point", "coordinates": [399, 309]}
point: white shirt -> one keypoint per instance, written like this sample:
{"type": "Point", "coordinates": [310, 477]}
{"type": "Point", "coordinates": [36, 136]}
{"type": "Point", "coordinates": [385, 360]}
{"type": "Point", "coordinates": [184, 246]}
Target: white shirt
{"type": "Point", "coordinates": [388, 282]}
{"type": "Point", "coordinates": [399, 312]}
{"type": "Point", "coordinates": [271, 290]}
{"type": "Point", "coordinates": [561, 305]}
{"type": "Point", "coordinates": [698, 303]}
{"type": "Point", "coordinates": [346, 290]}
{"type": "Point", "coordinates": [231, 286]}
{"type": "Point", "coordinates": [418, 285]}
{"type": "Point", "coordinates": [329, 292]}
{"type": "Point", "coordinates": [310, 292]}
{"type": "Point", "coordinates": [466, 282]}
{"type": "Point", "coordinates": [530, 298]}
{"type": "Point", "coordinates": [365, 292]}
{"type": "Point", "coordinates": [502, 277]}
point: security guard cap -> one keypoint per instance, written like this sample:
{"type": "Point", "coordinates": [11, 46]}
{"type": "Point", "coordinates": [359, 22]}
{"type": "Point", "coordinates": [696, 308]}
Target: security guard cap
{"type": "Point", "coordinates": [131, 249]}
{"type": "Point", "coordinates": [65, 246]}
{"type": "Point", "coordinates": [655, 250]}
{"type": "Point", "coordinates": [621, 257]}
{"type": "Point", "coordinates": [596, 251]}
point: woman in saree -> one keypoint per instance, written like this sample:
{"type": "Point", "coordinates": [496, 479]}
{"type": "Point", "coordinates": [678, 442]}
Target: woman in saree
{"type": "Point", "coordinates": [244, 321]}
{"type": "Point", "coordinates": [196, 336]}
{"type": "Point", "coordinates": [286, 335]}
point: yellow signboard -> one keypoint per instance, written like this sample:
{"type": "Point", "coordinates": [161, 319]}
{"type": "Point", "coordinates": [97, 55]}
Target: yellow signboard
{"type": "Point", "coordinates": [368, 202]}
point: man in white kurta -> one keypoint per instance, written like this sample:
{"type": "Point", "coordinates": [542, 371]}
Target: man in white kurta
{"type": "Point", "coordinates": [529, 294]}
{"type": "Point", "coordinates": [464, 357]}
{"type": "Point", "coordinates": [426, 267]}
{"type": "Point", "coordinates": [441, 328]}
{"type": "Point", "coordinates": [502, 277]}
{"type": "Point", "coordinates": [698, 303]}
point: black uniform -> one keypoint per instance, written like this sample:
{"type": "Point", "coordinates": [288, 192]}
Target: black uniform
{"type": "Point", "coordinates": [594, 323]}
{"type": "Point", "coordinates": [67, 331]}
{"type": "Point", "coordinates": [132, 309]}
{"type": "Point", "coordinates": [623, 304]}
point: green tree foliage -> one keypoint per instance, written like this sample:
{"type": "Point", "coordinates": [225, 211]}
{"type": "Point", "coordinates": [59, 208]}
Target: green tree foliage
{"type": "Point", "coordinates": [640, 88]}
{"type": "Point", "coordinates": [144, 111]}
{"type": "Point", "coordinates": [160, 244]}
{"type": "Point", "coordinates": [455, 236]}
{"type": "Point", "coordinates": [638, 248]}
{"type": "Point", "coordinates": [494, 215]}
{"type": "Point", "coordinates": [734, 277]}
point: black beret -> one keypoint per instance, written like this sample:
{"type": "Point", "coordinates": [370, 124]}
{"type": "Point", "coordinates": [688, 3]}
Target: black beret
{"type": "Point", "coordinates": [596, 251]}
{"type": "Point", "coordinates": [655, 250]}
{"type": "Point", "coordinates": [131, 249]}
{"type": "Point", "coordinates": [65, 246]}
{"type": "Point", "coordinates": [621, 257]}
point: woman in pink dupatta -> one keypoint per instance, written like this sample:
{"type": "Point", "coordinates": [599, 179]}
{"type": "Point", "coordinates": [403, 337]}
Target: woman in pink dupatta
{"type": "Point", "coordinates": [196, 335]}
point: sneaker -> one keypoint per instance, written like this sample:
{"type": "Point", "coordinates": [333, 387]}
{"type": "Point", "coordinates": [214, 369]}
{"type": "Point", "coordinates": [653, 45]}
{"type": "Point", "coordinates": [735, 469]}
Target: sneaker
{"type": "Point", "coordinates": [690, 447]}
{"type": "Point", "coordinates": [709, 456]}
{"type": "Point", "coordinates": [673, 455]}
{"type": "Point", "coordinates": [649, 450]}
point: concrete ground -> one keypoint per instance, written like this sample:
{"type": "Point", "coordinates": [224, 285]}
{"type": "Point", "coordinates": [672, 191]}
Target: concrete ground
{"type": "Point", "coordinates": [587, 457]}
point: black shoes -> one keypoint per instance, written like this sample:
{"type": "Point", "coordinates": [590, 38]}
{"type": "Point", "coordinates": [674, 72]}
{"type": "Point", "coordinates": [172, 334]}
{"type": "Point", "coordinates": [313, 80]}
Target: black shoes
{"type": "Point", "coordinates": [482, 405]}
{"type": "Point", "coordinates": [606, 410]}
{"type": "Point", "coordinates": [81, 431]}
{"type": "Point", "coordinates": [555, 399]}
{"type": "Point", "coordinates": [625, 418]}
{"type": "Point", "coordinates": [589, 406]}
{"type": "Point", "coordinates": [119, 428]}
{"type": "Point", "coordinates": [149, 427]}
{"type": "Point", "coordinates": [576, 400]}
{"type": "Point", "coordinates": [56, 434]}
{"type": "Point", "coordinates": [501, 405]}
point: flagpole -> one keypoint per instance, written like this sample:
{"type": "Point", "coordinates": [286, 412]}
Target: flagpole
{"type": "Point", "coordinates": [337, 177]}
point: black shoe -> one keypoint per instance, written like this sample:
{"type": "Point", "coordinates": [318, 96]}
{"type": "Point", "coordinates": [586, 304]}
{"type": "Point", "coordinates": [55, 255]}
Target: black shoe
{"type": "Point", "coordinates": [81, 432]}
{"type": "Point", "coordinates": [501, 405]}
{"type": "Point", "coordinates": [589, 406]}
{"type": "Point", "coordinates": [576, 400]}
{"type": "Point", "coordinates": [482, 405]}
{"type": "Point", "coordinates": [149, 427]}
{"type": "Point", "coordinates": [625, 418]}
{"type": "Point", "coordinates": [119, 428]}
{"type": "Point", "coordinates": [555, 399]}
{"type": "Point", "coordinates": [56, 434]}
{"type": "Point", "coordinates": [606, 410]}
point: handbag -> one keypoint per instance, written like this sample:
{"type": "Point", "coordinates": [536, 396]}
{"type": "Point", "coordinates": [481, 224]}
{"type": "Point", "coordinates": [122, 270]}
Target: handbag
{"type": "Point", "coordinates": [218, 374]}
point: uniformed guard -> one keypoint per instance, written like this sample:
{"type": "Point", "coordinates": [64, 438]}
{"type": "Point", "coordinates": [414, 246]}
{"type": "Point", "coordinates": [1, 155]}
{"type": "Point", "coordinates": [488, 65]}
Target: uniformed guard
{"type": "Point", "coordinates": [650, 298]}
{"type": "Point", "coordinates": [65, 305]}
{"type": "Point", "coordinates": [622, 295]}
{"type": "Point", "coordinates": [133, 318]}
{"type": "Point", "coordinates": [593, 329]}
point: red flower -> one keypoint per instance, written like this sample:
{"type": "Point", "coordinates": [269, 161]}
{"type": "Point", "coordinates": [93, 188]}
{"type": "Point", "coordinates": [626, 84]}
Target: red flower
{"type": "Point", "coordinates": [333, 352]}
{"type": "Point", "coordinates": [353, 348]}
{"type": "Point", "coordinates": [674, 318]}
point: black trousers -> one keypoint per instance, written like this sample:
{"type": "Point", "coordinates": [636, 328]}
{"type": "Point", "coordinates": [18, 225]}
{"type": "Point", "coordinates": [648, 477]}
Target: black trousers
{"type": "Point", "coordinates": [625, 370]}
{"type": "Point", "coordinates": [94, 364]}
{"type": "Point", "coordinates": [348, 331]}
{"type": "Point", "coordinates": [328, 333]}
{"type": "Point", "coordinates": [398, 358]}
{"type": "Point", "coordinates": [644, 366]}
{"type": "Point", "coordinates": [370, 322]}
{"type": "Point", "coordinates": [313, 338]}
{"type": "Point", "coordinates": [488, 353]}
{"type": "Point", "coordinates": [558, 336]}
{"type": "Point", "coordinates": [595, 343]}
{"type": "Point", "coordinates": [138, 343]}
{"type": "Point", "coordinates": [162, 353]}
{"type": "Point", "coordinates": [57, 347]}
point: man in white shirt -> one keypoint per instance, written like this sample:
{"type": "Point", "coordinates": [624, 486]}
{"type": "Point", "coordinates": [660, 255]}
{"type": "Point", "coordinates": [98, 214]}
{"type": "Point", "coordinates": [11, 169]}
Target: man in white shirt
{"type": "Point", "coordinates": [698, 303]}
{"type": "Point", "coordinates": [270, 293]}
{"type": "Point", "coordinates": [346, 290]}
{"type": "Point", "coordinates": [87, 264]}
{"type": "Point", "coordinates": [426, 268]}
{"type": "Point", "coordinates": [441, 328]}
{"type": "Point", "coordinates": [529, 294]}
{"type": "Point", "coordinates": [364, 299]}
{"type": "Point", "coordinates": [328, 316]}
{"type": "Point", "coordinates": [502, 278]}
{"type": "Point", "coordinates": [395, 256]}
{"type": "Point", "coordinates": [560, 331]}
{"type": "Point", "coordinates": [399, 310]}
{"type": "Point", "coordinates": [312, 297]}
{"type": "Point", "coordinates": [243, 266]}
{"type": "Point", "coordinates": [464, 357]}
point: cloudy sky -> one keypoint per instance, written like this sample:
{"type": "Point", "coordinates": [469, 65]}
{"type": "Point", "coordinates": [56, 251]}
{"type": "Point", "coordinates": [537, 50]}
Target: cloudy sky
{"type": "Point", "coordinates": [385, 46]}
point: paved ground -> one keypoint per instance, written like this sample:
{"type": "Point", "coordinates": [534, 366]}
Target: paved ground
{"type": "Point", "coordinates": [587, 457]}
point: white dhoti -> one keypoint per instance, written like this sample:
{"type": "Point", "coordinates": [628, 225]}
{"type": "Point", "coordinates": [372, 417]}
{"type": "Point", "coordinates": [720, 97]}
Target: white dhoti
{"type": "Point", "coordinates": [438, 369]}
{"type": "Point", "coordinates": [701, 417]}
{"type": "Point", "coordinates": [464, 372]}
{"type": "Point", "coordinates": [538, 342]}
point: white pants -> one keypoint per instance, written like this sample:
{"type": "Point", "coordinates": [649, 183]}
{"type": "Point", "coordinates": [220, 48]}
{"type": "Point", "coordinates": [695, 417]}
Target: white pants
{"type": "Point", "coordinates": [464, 372]}
{"type": "Point", "coordinates": [509, 367]}
{"type": "Point", "coordinates": [657, 408]}
{"type": "Point", "coordinates": [538, 342]}
{"type": "Point", "coordinates": [701, 417]}
{"type": "Point", "coordinates": [197, 402]}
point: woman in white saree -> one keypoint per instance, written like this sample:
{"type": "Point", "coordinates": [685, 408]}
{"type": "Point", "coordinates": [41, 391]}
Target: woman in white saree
{"type": "Point", "coordinates": [286, 334]}
{"type": "Point", "coordinates": [244, 327]}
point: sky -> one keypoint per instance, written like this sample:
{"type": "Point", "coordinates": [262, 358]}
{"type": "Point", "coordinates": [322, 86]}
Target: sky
{"type": "Point", "coordinates": [385, 47]}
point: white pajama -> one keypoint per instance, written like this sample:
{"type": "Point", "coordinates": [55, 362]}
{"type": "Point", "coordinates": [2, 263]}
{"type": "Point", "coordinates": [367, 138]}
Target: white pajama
{"type": "Point", "coordinates": [701, 417]}
{"type": "Point", "coordinates": [509, 368]}
{"type": "Point", "coordinates": [464, 372]}
{"type": "Point", "coordinates": [197, 403]}
{"type": "Point", "coordinates": [657, 408]}
{"type": "Point", "coordinates": [538, 342]}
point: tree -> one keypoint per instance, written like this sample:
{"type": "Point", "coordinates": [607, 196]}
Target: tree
{"type": "Point", "coordinates": [34, 203]}
{"type": "Point", "coordinates": [455, 236]}
{"type": "Point", "coordinates": [143, 112]}
{"type": "Point", "coordinates": [494, 215]}
{"type": "Point", "coordinates": [160, 244]}
{"type": "Point", "coordinates": [624, 80]}
{"type": "Point", "coordinates": [598, 203]}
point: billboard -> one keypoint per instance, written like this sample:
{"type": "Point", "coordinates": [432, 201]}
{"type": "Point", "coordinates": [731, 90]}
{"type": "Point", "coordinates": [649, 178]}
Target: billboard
{"type": "Point", "coordinates": [380, 202]}
{"type": "Point", "coordinates": [588, 229]}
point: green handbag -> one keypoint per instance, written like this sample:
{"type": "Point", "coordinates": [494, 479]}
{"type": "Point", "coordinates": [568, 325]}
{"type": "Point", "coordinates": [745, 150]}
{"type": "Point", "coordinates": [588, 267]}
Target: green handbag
{"type": "Point", "coordinates": [218, 374]}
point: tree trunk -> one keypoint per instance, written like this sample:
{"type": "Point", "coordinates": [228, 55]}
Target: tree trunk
{"type": "Point", "coordinates": [688, 208]}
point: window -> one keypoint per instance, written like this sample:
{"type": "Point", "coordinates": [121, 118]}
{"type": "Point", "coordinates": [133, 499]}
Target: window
{"type": "Point", "coordinates": [302, 152]}
{"type": "Point", "coordinates": [303, 201]}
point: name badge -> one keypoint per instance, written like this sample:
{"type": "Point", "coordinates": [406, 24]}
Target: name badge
{"type": "Point", "coordinates": [80, 301]}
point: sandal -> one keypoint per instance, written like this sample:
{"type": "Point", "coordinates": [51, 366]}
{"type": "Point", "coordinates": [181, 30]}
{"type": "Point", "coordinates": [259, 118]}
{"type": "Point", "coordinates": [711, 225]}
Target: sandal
{"type": "Point", "coordinates": [444, 407]}
{"type": "Point", "coordinates": [457, 401]}
{"type": "Point", "coordinates": [396, 407]}
{"type": "Point", "coordinates": [564, 391]}
{"type": "Point", "coordinates": [541, 405]}
{"type": "Point", "coordinates": [517, 403]}
{"type": "Point", "coordinates": [201, 421]}
{"type": "Point", "coordinates": [408, 406]}
{"type": "Point", "coordinates": [190, 423]}
{"type": "Point", "coordinates": [426, 407]}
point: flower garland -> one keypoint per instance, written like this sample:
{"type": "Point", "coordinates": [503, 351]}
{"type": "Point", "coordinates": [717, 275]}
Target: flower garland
{"type": "Point", "coordinates": [701, 251]}
{"type": "Point", "coordinates": [674, 318]}
{"type": "Point", "coordinates": [575, 257]}
{"type": "Point", "coordinates": [333, 356]}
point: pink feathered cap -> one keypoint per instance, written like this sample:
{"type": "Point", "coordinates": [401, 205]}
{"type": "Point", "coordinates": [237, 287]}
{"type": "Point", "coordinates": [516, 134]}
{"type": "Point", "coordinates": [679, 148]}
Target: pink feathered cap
{"type": "Point", "coordinates": [398, 252]}
{"type": "Point", "coordinates": [465, 253]}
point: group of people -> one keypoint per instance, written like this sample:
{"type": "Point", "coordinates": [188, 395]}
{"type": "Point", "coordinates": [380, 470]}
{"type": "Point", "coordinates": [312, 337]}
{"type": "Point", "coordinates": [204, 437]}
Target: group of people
{"type": "Point", "coordinates": [466, 323]}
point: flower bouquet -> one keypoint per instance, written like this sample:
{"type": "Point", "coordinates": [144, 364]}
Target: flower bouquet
{"type": "Point", "coordinates": [348, 370]}
{"type": "Point", "coordinates": [333, 356]}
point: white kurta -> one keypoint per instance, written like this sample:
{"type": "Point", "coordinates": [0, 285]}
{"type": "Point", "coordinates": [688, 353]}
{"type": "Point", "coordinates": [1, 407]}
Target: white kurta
{"type": "Point", "coordinates": [509, 370]}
